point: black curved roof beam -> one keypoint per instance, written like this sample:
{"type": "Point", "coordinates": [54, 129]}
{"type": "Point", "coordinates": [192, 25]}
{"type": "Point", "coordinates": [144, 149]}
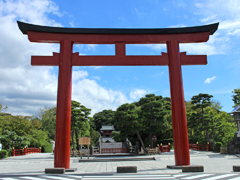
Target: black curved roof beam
{"type": "Point", "coordinates": [24, 27]}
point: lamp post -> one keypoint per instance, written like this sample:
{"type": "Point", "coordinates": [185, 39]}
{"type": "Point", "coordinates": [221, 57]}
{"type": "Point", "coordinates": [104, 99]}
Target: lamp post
{"type": "Point", "coordinates": [233, 146]}
{"type": "Point", "coordinates": [154, 138]}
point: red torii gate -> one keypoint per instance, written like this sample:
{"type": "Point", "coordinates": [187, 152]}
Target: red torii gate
{"type": "Point", "coordinates": [120, 37]}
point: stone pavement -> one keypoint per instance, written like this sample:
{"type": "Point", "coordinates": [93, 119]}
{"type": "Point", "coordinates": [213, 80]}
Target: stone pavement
{"type": "Point", "coordinates": [33, 164]}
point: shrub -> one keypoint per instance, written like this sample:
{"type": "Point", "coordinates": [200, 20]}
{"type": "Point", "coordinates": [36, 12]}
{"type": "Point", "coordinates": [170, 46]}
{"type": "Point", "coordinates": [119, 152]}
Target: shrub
{"type": "Point", "coordinates": [3, 154]}
{"type": "Point", "coordinates": [47, 148]}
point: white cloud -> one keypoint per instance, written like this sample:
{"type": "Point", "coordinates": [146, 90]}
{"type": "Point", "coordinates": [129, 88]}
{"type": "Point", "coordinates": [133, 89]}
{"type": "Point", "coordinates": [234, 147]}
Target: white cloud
{"type": "Point", "coordinates": [137, 93]}
{"type": "Point", "coordinates": [91, 46]}
{"type": "Point", "coordinates": [34, 11]}
{"type": "Point", "coordinates": [199, 48]}
{"type": "Point", "coordinates": [98, 98]}
{"type": "Point", "coordinates": [25, 88]}
{"type": "Point", "coordinates": [158, 74]}
{"type": "Point", "coordinates": [225, 12]}
{"type": "Point", "coordinates": [230, 27]}
{"type": "Point", "coordinates": [209, 80]}
{"type": "Point", "coordinates": [77, 75]}
{"type": "Point", "coordinates": [97, 78]}
{"type": "Point", "coordinates": [208, 18]}
{"type": "Point", "coordinates": [177, 26]}
{"type": "Point", "coordinates": [137, 11]}
{"type": "Point", "coordinates": [221, 9]}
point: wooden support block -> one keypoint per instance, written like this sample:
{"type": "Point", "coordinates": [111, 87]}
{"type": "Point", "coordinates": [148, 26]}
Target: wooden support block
{"type": "Point", "coordinates": [192, 169]}
{"type": "Point", "coordinates": [236, 168]}
{"type": "Point", "coordinates": [127, 169]}
{"type": "Point", "coordinates": [54, 170]}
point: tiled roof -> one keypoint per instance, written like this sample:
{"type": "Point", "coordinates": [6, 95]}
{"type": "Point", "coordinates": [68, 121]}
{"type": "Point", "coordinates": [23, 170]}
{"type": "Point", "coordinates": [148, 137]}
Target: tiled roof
{"type": "Point", "coordinates": [107, 127]}
{"type": "Point", "coordinates": [236, 109]}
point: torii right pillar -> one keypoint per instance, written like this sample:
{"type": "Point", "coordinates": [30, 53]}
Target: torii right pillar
{"type": "Point", "coordinates": [179, 120]}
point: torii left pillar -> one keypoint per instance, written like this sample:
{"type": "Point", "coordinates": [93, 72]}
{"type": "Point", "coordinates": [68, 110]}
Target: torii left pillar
{"type": "Point", "coordinates": [63, 116]}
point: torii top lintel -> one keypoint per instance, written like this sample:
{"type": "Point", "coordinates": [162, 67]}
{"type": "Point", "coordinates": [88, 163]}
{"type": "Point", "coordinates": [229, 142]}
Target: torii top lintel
{"type": "Point", "coordinates": [119, 37]}
{"type": "Point", "coordinates": [47, 34]}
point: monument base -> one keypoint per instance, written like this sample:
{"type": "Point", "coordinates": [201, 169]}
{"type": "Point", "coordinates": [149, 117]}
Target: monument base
{"type": "Point", "coordinates": [234, 146]}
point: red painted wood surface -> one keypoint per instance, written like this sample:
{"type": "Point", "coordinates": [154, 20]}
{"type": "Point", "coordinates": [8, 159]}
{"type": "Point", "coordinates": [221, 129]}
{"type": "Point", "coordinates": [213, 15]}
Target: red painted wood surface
{"type": "Point", "coordinates": [193, 146]}
{"type": "Point", "coordinates": [119, 60]}
{"type": "Point", "coordinates": [165, 148]}
{"type": "Point", "coordinates": [199, 147]}
{"type": "Point", "coordinates": [179, 120]}
{"type": "Point", "coordinates": [44, 37]}
{"type": "Point", "coordinates": [63, 116]}
{"type": "Point", "coordinates": [25, 151]}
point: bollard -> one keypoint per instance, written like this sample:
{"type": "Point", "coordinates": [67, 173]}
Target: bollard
{"type": "Point", "coordinates": [169, 146]}
{"type": "Point", "coordinates": [161, 148]}
{"type": "Point", "coordinates": [208, 148]}
{"type": "Point", "coordinates": [193, 168]}
{"type": "Point", "coordinates": [197, 146]}
{"type": "Point", "coordinates": [13, 151]}
{"type": "Point", "coordinates": [127, 169]}
{"type": "Point", "coordinates": [25, 150]}
{"type": "Point", "coordinates": [40, 150]}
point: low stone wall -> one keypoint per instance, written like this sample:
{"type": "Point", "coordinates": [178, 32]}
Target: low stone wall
{"type": "Point", "coordinates": [113, 147]}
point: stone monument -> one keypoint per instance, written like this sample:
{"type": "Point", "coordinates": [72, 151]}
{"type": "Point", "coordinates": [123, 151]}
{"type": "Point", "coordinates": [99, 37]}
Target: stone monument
{"type": "Point", "coordinates": [233, 147]}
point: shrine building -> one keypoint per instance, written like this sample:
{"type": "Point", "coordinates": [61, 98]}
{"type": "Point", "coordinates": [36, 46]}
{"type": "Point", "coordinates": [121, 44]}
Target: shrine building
{"type": "Point", "coordinates": [106, 131]}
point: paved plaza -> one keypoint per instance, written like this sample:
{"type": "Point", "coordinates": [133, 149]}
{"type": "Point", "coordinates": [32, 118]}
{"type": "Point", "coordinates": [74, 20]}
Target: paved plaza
{"type": "Point", "coordinates": [35, 164]}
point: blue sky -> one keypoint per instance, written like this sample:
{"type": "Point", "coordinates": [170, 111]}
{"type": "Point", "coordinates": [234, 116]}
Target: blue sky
{"type": "Point", "coordinates": [25, 89]}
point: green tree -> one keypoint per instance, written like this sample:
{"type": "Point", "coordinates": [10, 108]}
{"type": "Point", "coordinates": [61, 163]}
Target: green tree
{"type": "Point", "coordinates": [207, 123]}
{"type": "Point", "coordinates": [153, 115]}
{"type": "Point", "coordinates": [94, 134]}
{"type": "Point", "coordinates": [3, 108]}
{"type": "Point", "coordinates": [48, 119]}
{"type": "Point", "coordinates": [21, 131]}
{"type": "Point", "coordinates": [201, 101]}
{"type": "Point", "coordinates": [105, 117]}
{"type": "Point", "coordinates": [200, 119]}
{"type": "Point", "coordinates": [79, 121]}
{"type": "Point", "coordinates": [236, 97]}
{"type": "Point", "coordinates": [128, 121]}
{"type": "Point", "coordinates": [116, 135]}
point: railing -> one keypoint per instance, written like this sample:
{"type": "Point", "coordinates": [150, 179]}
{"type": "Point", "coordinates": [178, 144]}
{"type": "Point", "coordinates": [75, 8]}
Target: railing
{"type": "Point", "coordinates": [165, 148]}
{"type": "Point", "coordinates": [199, 147]}
{"type": "Point", "coordinates": [25, 151]}
{"type": "Point", "coordinates": [193, 146]}
{"type": "Point", "coordinates": [96, 150]}
{"type": "Point", "coordinates": [113, 150]}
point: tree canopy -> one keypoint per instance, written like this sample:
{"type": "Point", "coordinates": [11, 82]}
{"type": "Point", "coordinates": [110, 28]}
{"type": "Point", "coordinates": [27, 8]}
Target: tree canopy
{"type": "Point", "coordinates": [207, 123]}
{"type": "Point", "coordinates": [21, 131]}
{"type": "Point", "coordinates": [137, 121]}
{"type": "Point", "coordinates": [79, 121]}
{"type": "Point", "coordinates": [105, 117]}
{"type": "Point", "coordinates": [236, 97]}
